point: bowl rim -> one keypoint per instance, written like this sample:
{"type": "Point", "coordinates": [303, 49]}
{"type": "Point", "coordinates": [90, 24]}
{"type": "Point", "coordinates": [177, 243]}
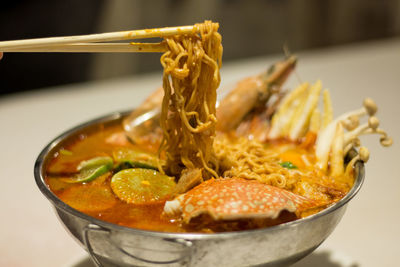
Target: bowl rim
{"type": "Point", "coordinates": [59, 204]}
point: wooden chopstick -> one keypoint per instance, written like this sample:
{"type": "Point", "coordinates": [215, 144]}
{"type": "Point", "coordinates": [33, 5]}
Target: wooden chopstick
{"type": "Point", "coordinates": [96, 48]}
{"type": "Point", "coordinates": [7, 46]}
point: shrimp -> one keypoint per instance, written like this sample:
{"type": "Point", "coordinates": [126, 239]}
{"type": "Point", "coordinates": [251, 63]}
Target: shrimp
{"type": "Point", "coordinates": [242, 104]}
{"type": "Point", "coordinates": [251, 94]}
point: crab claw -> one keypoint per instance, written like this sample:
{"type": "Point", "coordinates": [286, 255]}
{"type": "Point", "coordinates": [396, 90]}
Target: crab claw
{"type": "Point", "coordinates": [236, 199]}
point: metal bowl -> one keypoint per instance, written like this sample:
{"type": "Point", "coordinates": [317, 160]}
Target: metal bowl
{"type": "Point", "coordinates": [113, 245]}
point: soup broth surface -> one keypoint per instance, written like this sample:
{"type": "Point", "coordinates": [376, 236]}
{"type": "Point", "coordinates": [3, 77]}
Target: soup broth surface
{"type": "Point", "coordinates": [97, 199]}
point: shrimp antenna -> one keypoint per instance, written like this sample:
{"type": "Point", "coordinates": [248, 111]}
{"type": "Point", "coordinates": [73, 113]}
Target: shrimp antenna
{"type": "Point", "coordinates": [286, 50]}
{"type": "Point", "coordinates": [287, 53]}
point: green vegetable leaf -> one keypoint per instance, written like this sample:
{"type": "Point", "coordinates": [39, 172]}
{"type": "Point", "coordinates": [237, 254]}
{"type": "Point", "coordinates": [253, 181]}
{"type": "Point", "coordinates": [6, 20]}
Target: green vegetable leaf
{"type": "Point", "coordinates": [90, 170]}
{"type": "Point", "coordinates": [95, 162]}
{"type": "Point", "coordinates": [126, 157]}
{"type": "Point", "coordinates": [288, 165]}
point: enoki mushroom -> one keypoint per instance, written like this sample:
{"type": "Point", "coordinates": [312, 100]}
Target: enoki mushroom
{"type": "Point", "coordinates": [298, 117]}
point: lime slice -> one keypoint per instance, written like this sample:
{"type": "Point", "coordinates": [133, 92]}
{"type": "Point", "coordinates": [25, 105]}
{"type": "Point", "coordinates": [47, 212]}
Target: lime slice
{"type": "Point", "coordinates": [95, 162]}
{"type": "Point", "coordinates": [88, 174]}
{"type": "Point", "coordinates": [139, 186]}
{"type": "Point", "coordinates": [90, 170]}
{"type": "Point", "coordinates": [136, 158]}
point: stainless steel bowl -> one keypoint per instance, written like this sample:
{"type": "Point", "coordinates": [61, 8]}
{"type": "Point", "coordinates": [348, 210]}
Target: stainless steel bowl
{"type": "Point", "coordinates": [114, 245]}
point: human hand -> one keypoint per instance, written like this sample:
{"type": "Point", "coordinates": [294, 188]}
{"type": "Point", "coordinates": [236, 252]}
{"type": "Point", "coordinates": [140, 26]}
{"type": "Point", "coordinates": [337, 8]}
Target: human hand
{"type": "Point", "coordinates": [1, 55]}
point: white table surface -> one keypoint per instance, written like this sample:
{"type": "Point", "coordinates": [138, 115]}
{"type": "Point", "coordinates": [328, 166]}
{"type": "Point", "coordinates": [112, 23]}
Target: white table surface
{"type": "Point", "coordinates": [367, 236]}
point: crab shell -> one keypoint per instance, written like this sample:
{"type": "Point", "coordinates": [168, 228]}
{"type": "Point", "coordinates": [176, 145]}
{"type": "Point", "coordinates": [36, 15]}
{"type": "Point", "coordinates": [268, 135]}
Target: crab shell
{"type": "Point", "coordinates": [234, 199]}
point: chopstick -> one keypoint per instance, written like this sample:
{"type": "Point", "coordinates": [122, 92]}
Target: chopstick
{"type": "Point", "coordinates": [79, 43]}
{"type": "Point", "coordinates": [96, 48]}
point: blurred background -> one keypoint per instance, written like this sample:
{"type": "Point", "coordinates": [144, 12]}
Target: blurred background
{"type": "Point", "coordinates": [302, 25]}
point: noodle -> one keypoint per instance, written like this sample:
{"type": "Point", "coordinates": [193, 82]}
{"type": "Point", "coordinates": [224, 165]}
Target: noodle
{"type": "Point", "coordinates": [188, 117]}
{"type": "Point", "coordinates": [250, 160]}
{"type": "Point", "coordinates": [190, 80]}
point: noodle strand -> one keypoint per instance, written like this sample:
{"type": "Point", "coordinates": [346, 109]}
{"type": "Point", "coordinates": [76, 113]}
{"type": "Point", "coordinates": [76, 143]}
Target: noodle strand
{"type": "Point", "coordinates": [190, 80]}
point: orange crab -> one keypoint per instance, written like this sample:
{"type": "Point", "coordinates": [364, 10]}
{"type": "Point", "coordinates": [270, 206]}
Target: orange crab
{"type": "Point", "coordinates": [232, 199]}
